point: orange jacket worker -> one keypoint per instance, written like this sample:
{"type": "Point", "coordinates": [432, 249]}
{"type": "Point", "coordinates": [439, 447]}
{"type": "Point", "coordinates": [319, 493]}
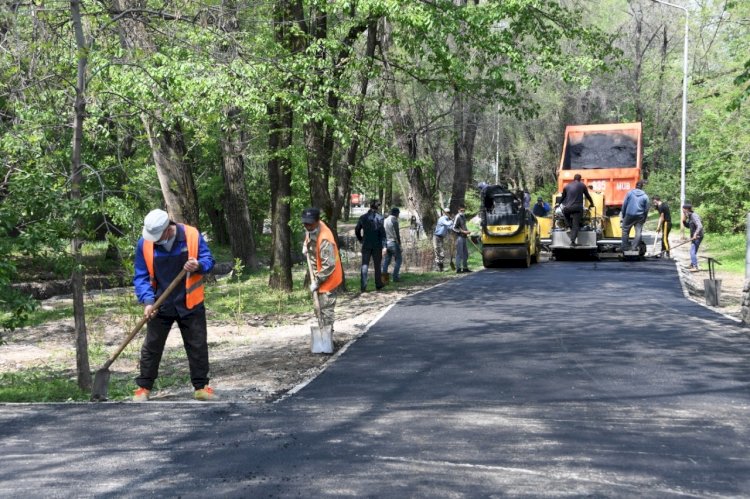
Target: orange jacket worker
{"type": "Point", "coordinates": [323, 255]}
{"type": "Point", "coordinates": [164, 250]}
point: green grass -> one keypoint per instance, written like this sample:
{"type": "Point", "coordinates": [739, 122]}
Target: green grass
{"type": "Point", "coordinates": [729, 249]}
{"type": "Point", "coordinates": [40, 385]}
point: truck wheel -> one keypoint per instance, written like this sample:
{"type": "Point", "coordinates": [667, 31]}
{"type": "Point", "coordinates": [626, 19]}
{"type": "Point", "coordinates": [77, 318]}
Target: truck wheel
{"type": "Point", "coordinates": [527, 261]}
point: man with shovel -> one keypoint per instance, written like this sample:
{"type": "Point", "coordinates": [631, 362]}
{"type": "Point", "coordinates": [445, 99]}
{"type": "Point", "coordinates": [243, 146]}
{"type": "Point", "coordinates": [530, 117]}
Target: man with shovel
{"type": "Point", "coordinates": [166, 249]}
{"type": "Point", "coordinates": [323, 260]}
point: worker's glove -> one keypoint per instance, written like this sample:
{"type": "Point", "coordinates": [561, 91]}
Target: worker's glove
{"type": "Point", "coordinates": [314, 286]}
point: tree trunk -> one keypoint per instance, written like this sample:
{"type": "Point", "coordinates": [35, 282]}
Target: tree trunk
{"type": "Point", "coordinates": [342, 191]}
{"type": "Point", "coordinates": [218, 225]}
{"type": "Point", "coordinates": [83, 368]}
{"type": "Point", "coordinates": [465, 132]}
{"type": "Point", "coordinates": [164, 135]}
{"type": "Point", "coordinates": [241, 236]}
{"type": "Point", "coordinates": [280, 137]}
{"type": "Point", "coordinates": [279, 175]}
{"type": "Point", "coordinates": [175, 176]}
{"type": "Point", "coordinates": [422, 188]}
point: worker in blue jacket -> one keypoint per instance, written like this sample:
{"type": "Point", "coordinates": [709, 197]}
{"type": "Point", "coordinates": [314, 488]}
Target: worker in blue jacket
{"type": "Point", "coordinates": [633, 214]}
{"type": "Point", "coordinates": [165, 249]}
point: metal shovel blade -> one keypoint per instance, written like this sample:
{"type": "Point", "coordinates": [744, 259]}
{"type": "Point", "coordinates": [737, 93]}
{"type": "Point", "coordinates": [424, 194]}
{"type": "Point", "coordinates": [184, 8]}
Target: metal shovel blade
{"type": "Point", "coordinates": [321, 339]}
{"type": "Point", "coordinates": [101, 385]}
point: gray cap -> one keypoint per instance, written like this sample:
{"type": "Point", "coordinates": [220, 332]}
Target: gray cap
{"type": "Point", "coordinates": [310, 215]}
{"type": "Point", "coordinates": [154, 225]}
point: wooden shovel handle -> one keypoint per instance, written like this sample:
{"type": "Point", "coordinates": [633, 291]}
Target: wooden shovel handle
{"type": "Point", "coordinates": [316, 299]}
{"type": "Point", "coordinates": [145, 319]}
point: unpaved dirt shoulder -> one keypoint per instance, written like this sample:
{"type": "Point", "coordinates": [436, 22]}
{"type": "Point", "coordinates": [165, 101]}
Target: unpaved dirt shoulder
{"type": "Point", "coordinates": [731, 289]}
{"type": "Point", "coordinates": [255, 360]}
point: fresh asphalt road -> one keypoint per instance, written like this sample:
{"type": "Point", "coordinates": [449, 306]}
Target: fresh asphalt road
{"type": "Point", "coordinates": [567, 379]}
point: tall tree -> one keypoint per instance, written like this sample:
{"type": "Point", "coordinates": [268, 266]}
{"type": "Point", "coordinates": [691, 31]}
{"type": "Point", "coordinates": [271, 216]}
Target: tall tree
{"type": "Point", "coordinates": [287, 15]}
{"type": "Point", "coordinates": [240, 235]}
{"type": "Point", "coordinates": [164, 133]}
{"type": "Point", "coordinates": [79, 112]}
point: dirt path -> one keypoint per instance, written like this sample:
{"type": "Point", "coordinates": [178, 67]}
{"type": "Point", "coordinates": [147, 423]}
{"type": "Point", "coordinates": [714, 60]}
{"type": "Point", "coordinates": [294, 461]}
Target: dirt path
{"type": "Point", "coordinates": [252, 362]}
{"type": "Point", "coordinates": [258, 362]}
{"type": "Point", "coordinates": [731, 284]}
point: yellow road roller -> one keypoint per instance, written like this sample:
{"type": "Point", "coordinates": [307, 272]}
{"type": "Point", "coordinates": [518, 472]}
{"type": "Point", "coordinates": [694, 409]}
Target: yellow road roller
{"type": "Point", "coordinates": [509, 232]}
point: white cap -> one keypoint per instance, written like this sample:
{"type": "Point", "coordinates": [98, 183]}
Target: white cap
{"type": "Point", "coordinates": [155, 223]}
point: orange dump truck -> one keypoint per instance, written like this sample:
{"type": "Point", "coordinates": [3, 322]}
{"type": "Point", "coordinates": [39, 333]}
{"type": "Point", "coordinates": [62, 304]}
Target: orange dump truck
{"type": "Point", "coordinates": [608, 158]}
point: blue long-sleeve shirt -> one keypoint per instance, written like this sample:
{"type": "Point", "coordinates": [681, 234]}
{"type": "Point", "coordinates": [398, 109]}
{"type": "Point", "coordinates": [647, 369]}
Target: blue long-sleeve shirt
{"type": "Point", "coordinates": [444, 224]}
{"type": "Point", "coordinates": [167, 264]}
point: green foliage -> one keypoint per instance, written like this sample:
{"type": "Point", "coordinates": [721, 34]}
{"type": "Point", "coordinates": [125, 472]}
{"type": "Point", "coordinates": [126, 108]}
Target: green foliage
{"type": "Point", "coordinates": [665, 184]}
{"type": "Point", "coordinates": [546, 192]}
{"type": "Point", "coordinates": [15, 308]}
{"type": "Point", "coordinates": [719, 178]}
{"type": "Point", "coordinates": [729, 249]}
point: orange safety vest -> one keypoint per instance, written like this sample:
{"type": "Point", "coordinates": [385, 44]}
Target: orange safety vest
{"type": "Point", "coordinates": [337, 277]}
{"type": "Point", "coordinates": [194, 281]}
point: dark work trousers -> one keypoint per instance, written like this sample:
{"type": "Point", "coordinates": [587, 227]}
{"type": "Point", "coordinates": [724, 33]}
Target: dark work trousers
{"type": "Point", "coordinates": [666, 228]}
{"type": "Point", "coordinates": [193, 329]}
{"type": "Point", "coordinates": [377, 258]}
{"type": "Point", "coordinates": [573, 216]}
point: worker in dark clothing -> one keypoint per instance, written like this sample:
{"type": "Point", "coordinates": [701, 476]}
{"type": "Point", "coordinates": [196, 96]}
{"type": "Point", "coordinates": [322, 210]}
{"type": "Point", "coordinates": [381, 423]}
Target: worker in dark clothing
{"type": "Point", "coordinates": [462, 233]}
{"type": "Point", "coordinates": [664, 226]}
{"type": "Point", "coordinates": [540, 208]}
{"type": "Point", "coordinates": [370, 232]}
{"type": "Point", "coordinates": [691, 220]}
{"type": "Point", "coordinates": [572, 205]}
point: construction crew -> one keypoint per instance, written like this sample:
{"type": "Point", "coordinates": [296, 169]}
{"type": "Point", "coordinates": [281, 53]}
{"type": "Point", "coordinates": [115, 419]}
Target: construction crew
{"type": "Point", "coordinates": [392, 244]}
{"type": "Point", "coordinates": [443, 229]}
{"type": "Point", "coordinates": [462, 249]}
{"type": "Point", "coordinates": [633, 214]}
{"type": "Point", "coordinates": [371, 234]}
{"type": "Point", "coordinates": [164, 250]}
{"type": "Point", "coordinates": [571, 202]}
{"type": "Point", "coordinates": [691, 220]}
{"type": "Point", "coordinates": [323, 256]}
{"type": "Point", "coordinates": [664, 225]}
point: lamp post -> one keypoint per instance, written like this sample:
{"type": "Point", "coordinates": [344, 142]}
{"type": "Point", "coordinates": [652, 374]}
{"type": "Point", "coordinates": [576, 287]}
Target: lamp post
{"type": "Point", "coordinates": [684, 103]}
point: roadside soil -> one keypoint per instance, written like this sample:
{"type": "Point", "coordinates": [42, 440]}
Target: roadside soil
{"type": "Point", "coordinates": [255, 361]}
{"type": "Point", "coordinates": [264, 357]}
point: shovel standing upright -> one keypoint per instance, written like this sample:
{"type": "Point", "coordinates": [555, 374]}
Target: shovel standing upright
{"type": "Point", "coordinates": [657, 238]}
{"type": "Point", "coordinates": [101, 379]}
{"type": "Point", "coordinates": [321, 336]}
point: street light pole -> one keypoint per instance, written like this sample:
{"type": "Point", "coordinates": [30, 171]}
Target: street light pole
{"type": "Point", "coordinates": [684, 104]}
{"type": "Point", "coordinates": [497, 144]}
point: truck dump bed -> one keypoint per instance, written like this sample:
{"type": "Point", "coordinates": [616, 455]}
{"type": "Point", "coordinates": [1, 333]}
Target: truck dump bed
{"type": "Point", "coordinates": [608, 158]}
